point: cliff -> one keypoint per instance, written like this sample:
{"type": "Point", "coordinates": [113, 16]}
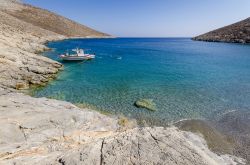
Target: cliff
{"type": "Point", "coordinates": [235, 33]}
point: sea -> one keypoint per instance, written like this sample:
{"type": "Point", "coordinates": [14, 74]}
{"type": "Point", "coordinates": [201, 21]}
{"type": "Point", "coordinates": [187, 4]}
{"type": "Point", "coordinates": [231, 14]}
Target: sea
{"type": "Point", "coordinates": [186, 79]}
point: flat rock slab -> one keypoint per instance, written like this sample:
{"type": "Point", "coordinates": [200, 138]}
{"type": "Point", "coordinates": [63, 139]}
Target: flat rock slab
{"type": "Point", "coordinates": [45, 131]}
{"type": "Point", "coordinates": [29, 124]}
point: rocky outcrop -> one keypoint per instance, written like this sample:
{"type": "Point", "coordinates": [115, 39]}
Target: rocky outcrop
{"type": "Point", "coordinates": [19, 63]}
{"type": "Point", "coordinates": [147, 146]}
{"type": "Point", "coordinates": [235, 33]}
{"type": "Point", "coordinates": [36, 127]}
{"type": "Point", "coordinates": [23, 30]}
{"type": "Point", "coordinates": [44, 131]}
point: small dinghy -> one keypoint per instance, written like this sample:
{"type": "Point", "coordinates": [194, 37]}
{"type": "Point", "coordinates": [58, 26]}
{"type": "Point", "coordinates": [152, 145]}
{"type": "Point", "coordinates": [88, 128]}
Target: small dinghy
{"type": "Point", "coordinates": [79, 56]}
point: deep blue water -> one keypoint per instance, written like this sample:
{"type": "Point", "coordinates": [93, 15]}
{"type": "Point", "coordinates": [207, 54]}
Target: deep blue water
{"type": "Point", "coordinates": [185, 78]}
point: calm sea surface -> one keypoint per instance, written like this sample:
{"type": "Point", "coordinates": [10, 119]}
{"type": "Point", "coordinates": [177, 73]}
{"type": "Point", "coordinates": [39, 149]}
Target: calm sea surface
{"type": "Point", "coordinates": [185, 78]}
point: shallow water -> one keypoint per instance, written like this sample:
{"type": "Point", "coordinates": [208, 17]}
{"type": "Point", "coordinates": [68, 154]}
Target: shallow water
{"type": "Point", "coordinates": [185, 78]}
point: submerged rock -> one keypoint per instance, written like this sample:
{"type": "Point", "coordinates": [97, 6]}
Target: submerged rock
{"type": "Point", "coordinates": [146, 103]}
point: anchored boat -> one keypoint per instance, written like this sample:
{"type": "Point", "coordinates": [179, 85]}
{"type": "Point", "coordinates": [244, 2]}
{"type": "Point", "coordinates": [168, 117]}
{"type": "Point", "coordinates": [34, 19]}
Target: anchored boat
{"type": "Point", "coordinates": [78, 56]}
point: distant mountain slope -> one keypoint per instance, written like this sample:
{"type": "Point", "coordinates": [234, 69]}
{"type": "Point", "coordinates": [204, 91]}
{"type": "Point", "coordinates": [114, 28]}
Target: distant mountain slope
{"type": "Point", "coordinates": [53, 22]}
{"type": "Point", "coordinates": [236, 33]}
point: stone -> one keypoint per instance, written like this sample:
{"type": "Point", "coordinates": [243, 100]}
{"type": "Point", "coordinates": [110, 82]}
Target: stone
{"type": "Point", "coordinates": [21, 85]}
{"type": "Point", "coordinates": [146, 103]}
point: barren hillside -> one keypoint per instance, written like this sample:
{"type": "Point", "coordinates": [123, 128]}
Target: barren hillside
{"type": "Point", "coordinates": [23, 30]}
{"type": "Point", "coordinates": [52, 22]}
{"type": "Point", "coordinates": [237, 33]}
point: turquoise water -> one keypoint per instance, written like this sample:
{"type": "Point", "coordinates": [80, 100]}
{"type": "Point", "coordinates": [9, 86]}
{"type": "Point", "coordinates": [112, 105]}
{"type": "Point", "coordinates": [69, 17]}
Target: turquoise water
{"type": "Point", "coordinates": [185, 78]}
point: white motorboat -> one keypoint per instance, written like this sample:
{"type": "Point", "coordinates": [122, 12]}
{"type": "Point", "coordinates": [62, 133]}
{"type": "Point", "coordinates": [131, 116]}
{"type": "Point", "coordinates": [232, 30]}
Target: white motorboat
{"type": "Point", "coordinates": [78, 56]}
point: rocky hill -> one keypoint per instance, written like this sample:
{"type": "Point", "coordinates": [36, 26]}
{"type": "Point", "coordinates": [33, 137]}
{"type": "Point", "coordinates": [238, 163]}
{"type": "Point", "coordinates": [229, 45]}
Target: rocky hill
{"type": "Point", "coordinates": [45, 131]}
{"type": "Point", "coordinates": [235, 33]}
{"type": "Point", "coordinates": [47, 20]}
{"type": "Point", "coordinates": [23, 30]}
{"type": "Point", "coordinates": [53, 22]}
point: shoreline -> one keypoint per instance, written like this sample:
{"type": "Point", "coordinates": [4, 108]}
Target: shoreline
{"type": "Point", "coordinates": [48, 131]}
{"type": "Point", "coordinates": [97, 128]}
{"type": "Point", "coordinates": [127, 127]}
{"type": "Point", "coordinates": [191, 125]}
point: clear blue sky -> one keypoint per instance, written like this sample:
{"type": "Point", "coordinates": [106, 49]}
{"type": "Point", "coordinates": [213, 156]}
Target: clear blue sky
{"type": "Point", "coordinates": [150, 18]}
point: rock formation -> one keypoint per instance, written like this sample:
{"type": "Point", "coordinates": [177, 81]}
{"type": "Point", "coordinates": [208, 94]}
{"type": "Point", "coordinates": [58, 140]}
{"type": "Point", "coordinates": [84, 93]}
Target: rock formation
{"type": "Point", "coordinates": [45, 131]}
{"type": "Point", "coordinates": [23, 30]}
{"type": "Point", "coordinates": [235, 33]}
{"type": "Point", "coordinates": [146, 103]}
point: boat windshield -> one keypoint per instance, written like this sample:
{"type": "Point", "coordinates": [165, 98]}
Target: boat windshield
{"type": "Point", "coordinates": [81, 51]}
{"type": "Point", "coordinates": [78, 51]}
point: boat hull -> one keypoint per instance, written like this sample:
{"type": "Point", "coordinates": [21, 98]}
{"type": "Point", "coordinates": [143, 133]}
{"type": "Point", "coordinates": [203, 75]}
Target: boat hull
{"type": "Point", "coordinates": [77, 58]}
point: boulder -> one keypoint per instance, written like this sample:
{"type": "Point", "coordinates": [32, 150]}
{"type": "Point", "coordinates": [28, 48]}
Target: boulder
{"type": "Point", "coordinates": [146, 103]}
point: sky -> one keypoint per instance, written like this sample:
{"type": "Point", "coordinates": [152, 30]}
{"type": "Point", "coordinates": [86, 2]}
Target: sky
{"type": "Point", "coordinates": [150, 18]}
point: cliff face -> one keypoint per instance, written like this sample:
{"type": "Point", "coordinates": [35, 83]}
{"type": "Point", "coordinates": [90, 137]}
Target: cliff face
{"type": "Point", "coordinates": [235, 33]}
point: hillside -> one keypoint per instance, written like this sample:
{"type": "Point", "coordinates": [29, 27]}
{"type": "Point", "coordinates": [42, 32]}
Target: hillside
{"type": "Point", "coordinates": [53, 22]}
{"type": "Point", "coordinates": [23, 31]}
{"type": "Point", "coordinates": [47, 131]}
{"type": "Point", "coordinates": [235, 33]}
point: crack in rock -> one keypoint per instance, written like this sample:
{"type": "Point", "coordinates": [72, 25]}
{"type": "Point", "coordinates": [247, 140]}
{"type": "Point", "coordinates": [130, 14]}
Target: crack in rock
{"type": "Point", "coordinates": [101, 158]}
{"type": "Point", "coordinates": [22, 130]}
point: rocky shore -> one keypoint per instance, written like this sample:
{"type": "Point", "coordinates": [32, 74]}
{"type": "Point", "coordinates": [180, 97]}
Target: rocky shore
{"type": "Point", "coordinates": [46, 131]}
{"type": "Point", "coordinates": [235, 33]}
{"type": "Point", "coordinates": [23, 31]}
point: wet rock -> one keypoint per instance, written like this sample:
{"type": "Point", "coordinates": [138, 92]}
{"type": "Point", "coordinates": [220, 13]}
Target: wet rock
{"type": "Point", "coordinates": [146, 103]}
{"type": "Point", "coordinates": [226, 134]}
{"type": "Point", "coordinates": [235, 124]}
{"type": "Point", "coordinates": [216, 140]}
